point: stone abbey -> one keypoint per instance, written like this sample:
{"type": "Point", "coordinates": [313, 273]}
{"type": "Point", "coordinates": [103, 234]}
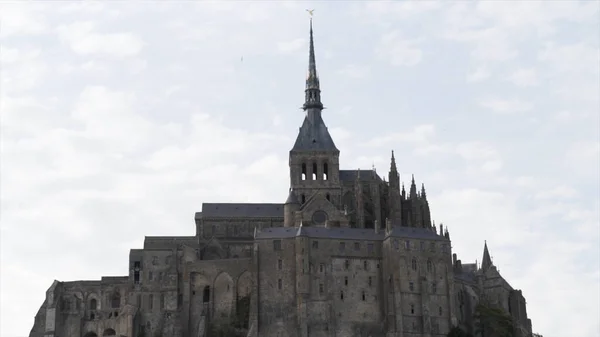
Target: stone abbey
{"type": "Point", "coordinates": [347, 254]}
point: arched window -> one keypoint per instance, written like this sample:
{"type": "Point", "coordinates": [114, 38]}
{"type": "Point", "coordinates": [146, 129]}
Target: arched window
{"type": "Point", "coordinates": [304, 173]}
{"type": "Point", "coordinates": [115, 300]}
{"type": "Point", "coordinates": [206, 294]}
{"type": "Point", "coordinates": [414, 264]}
{"type": "Point", "coordinates": [93, 304]}
{"type": "Point", "coordinates": [429, 266]}
{"type": "Point", "coordinates": [328, 197]}
{"type": "Point", "coordinates": [109, 332]}
{"type": "Point", "coordinates": [341, 295]}
{"type": "Point", "coordinates": [314, 171]}
{"type": "Point", "coordinates": [364, 296]}
{"type": "Point", "coordinates": [325, 171]}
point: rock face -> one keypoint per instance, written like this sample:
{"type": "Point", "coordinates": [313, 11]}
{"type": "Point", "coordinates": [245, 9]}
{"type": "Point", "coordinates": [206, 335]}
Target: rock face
{"type": "Point", "coordinates": [347, 254]}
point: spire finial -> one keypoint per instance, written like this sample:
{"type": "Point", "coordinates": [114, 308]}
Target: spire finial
{"type": "Point", "coordinates": [313, 91]}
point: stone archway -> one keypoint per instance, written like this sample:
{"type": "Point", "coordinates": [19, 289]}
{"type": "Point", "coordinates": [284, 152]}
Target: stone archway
{"type": "Point", "coordinates": [198, 290]}
{"type": "Point", "coordinates": [242, 302]}
{"type": "Point", "coordinates": [223, 296]}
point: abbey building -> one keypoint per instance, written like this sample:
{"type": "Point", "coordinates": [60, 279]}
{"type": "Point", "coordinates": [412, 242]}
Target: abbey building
{"type": "Point", "coordinates": [349, 253]}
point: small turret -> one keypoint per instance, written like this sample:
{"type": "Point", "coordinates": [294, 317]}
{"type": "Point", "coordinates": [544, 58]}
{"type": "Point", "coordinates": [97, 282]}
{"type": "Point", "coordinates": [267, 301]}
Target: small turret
{"type": "Point", "coordinates": [289, 208]}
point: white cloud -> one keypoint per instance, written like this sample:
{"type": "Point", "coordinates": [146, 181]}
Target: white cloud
{"type": "Point", "coordinates": [399, 51]}
{"type": "Point", "coordinates": [82, 39]}
{"type": "Point", "coordinates": [558, 192]}
{"type": "Point", "coordinates": [524, 77]}
{"type": "Point", "coordinates": [418, 134]}
{"type": "Point", "coordinates": [291, 46]}
{"type": "Point", "coordinates": [356, 71]}
{"type": "Point", "coordinates": [506, 106]}
{"type": "Point", "coordinates": [478, 75]}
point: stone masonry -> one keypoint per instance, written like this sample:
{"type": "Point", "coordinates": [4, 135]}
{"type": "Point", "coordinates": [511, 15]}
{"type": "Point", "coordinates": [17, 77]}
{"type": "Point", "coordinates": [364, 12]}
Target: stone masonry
{"type": "Point", "coordinates": [347, 254]}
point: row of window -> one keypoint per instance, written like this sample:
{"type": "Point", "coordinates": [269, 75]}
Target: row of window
{"type": "Point", "coordinates": [315, 172]}
{"type": "Point", "coordinates": [341, 246]}
{"type": "Point", "coordinates": [411, 287]}
{"type": "Point", "coordinates": [412, 310]}
{"type": "Point", "coordinates": [410, 246]}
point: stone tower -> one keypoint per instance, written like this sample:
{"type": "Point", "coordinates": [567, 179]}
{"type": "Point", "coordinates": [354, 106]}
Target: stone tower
{"type": "Point", "coordinates": [314, 158]}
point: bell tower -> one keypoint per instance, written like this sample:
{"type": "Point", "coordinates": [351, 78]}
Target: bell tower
{"type": "Point", "coordinates": [314, 158]}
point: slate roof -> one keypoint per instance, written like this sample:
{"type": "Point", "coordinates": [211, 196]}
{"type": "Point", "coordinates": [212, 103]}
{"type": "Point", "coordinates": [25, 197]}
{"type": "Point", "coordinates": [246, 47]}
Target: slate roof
{"type": "Point", "coordinates": [365, 175]}
{"type": "Point", "coordinates": [242, 210]}
{"type": "Point", "coordinates": [314, 136]}
{"type": "Point", "coordinates": [346, 233]}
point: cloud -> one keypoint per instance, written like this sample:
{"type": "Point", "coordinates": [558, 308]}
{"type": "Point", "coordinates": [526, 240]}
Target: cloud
{"type": "Point", "coordinates": [398, 51]}
{"type": "Point", "coordinates": [82, 39]}
{"type": "Point", "coordinates": [291, 46]}
{"type": "Point", "coordinates": [524, 77]}
{"type": "Point", "coordinates": [478, 75]}
{"type": "Point", "coordinates": [355, 71]}
{"type": "Point", "coordinates": [506, 106]}
{"type": "Point", "coordinates": [418, 134]}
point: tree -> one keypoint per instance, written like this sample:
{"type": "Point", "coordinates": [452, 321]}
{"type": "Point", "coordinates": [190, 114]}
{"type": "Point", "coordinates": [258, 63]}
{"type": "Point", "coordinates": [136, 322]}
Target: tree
{"type": "Point", "coordinates": [494, 322]}
{"type": "Point", "coordinates": [458, 332]}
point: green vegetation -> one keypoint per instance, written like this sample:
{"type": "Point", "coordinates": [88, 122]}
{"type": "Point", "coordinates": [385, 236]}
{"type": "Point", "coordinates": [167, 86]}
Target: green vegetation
{"type": "Point", "coordinates": [458, 332]}
{"type": "Point", "coordinates": [494, 322]}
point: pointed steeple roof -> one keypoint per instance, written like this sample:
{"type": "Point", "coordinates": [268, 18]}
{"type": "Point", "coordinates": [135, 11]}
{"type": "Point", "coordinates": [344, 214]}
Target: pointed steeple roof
{"type": "Point", "coordinates": [423, 194]}
{"type": "Point", "coordinates": [313, 134]}
{"type": "Point", "coordinates": [487, 260]}
{"type": "Point", "coordinates": [413, 188]}
{"type": "Point", "coordinates": [292, 199]}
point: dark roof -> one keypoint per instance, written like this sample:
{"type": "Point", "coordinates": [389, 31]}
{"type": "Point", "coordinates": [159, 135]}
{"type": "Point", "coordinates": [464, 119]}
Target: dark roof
{"type": "Point", "coordinates": [365, 175]}
{"type": "Point", "coordinates": [242, 210]}
{"type": "Point", "coordinates": [292, 199]}
{"type": "Point", "coordinates": [346, 233]}
{"type": "Point", "coordinates": [313, 135]}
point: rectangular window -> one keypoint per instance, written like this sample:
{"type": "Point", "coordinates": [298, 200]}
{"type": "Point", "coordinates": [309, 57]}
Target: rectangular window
{"type": "Point", "coordinates": [357, 246]}
{"type": "Point", "coordinates": [162, 301]}
{"type": "Point", "coordinates": [370, 248]}
{"type": "Point", "coordinates": [432, 246]}
{"type": "Point", "coordinates": [342, 246]}
{"type": "Point", "coordinates": [345, 280]}
{"type": "Point", "coordinates": [280, 264]}
{"type": "Point", "coordinates": [411, 286]}
{"type": "Point", "coordinates": [315, 244]}
{"type": "Point", "coordinates": [434, 287]}
{"type": "Point", "coordinates": [276, 244]}
{"type": "Point", "coordinates": [370, 281]}
{"type": "Point", "coordinates": [279, 284]}
{"type": "Point", "coordinates": [322, 268]}
{"type": "Point", "coordinates": [151, 302]}
{"type": "Point", "coordinates": [321, 289]}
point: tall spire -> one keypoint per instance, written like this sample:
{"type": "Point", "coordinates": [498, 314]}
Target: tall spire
{"type": "Point", "coordinates": [423, 195]}
{"type": "Point", "coordinates": [487, 260]}
{"type": "Point", "coordinates": [313, 91]}
{"type": "Point", "coordinates": [413, 188]}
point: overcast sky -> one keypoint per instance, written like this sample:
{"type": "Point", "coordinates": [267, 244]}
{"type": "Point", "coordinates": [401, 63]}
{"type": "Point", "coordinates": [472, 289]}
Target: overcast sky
{"type": "Point", "coordinates": [119, 121]}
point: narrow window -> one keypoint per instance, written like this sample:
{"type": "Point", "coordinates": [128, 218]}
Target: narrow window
{"type": "Point", "coordinates": [303, 176]}
{"type": "Point", "coordinates": [412, 308]}
{"type": "Point", "coordinates": [328, 197]}
{"type": "Point", "coordinates": [151, 302]}
{"type": "Point", "coordinates": [93, 304]}
{"type": "Point", "coordinates": [434, 288]}
{"type": "Point", "coordinates": [116, 300]}
{"type": "Point", "coordinates": [422, 244]}
{"type": "Point", "coordinates": [345, 280]}
{"type": "Point", "coordinates": [370, 247]}
{"type": "Point", "coordinates": [341, 295]}
{"type": "Point", "coordinates": [136, 272]}
{"type": "Point", "coordinates": [370, 281]}
{"type": "Point", "coordinates": [321, 268]}
{"type": "Point", "coordinates": [414, 264]}
{"type": "Point", "coordinates": [179, 300]}
{"type": "Point", "coordinates": [432, 246]}
{"type": "Point", "coordinates": [407, 245]}
{"type": "Point", "coordinates": [325, 171]}
{"type": "Point", "coordinates": [411, 286]}
{"type": "Point", "coordinates": [365, 265]}
{"type": "Point", "coordinates": [303, 198]}
{"type": "Point", "coordinates": [364, 297]}
{"type": "Point", "coordinates": [162, 301]}
{"type": "Point", "coordinates": [429, 266]}
{"type": "Point", "coordinates": [440, 311]}
{"type": "Point", "coordinates": [276, 244]}
{"type": "Point", "coordinates": [280, 284]}
{"type": "Point", "coordinates": [279, 264]}
{"type": "Point", "coordinates": [314, 171]}
{"type": "Point", "coordinates": [347, 265]}
{"type": "Point", "coordinates": [321, 290]}
{"type": "Point", "coordinates": [315, 244]}
{"type": "Point", "coordinates": [138, 300]}
{"type": "Point", "coordinates": [357, 246]}
{"type": "Point", "coordinates": [206, 294]}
